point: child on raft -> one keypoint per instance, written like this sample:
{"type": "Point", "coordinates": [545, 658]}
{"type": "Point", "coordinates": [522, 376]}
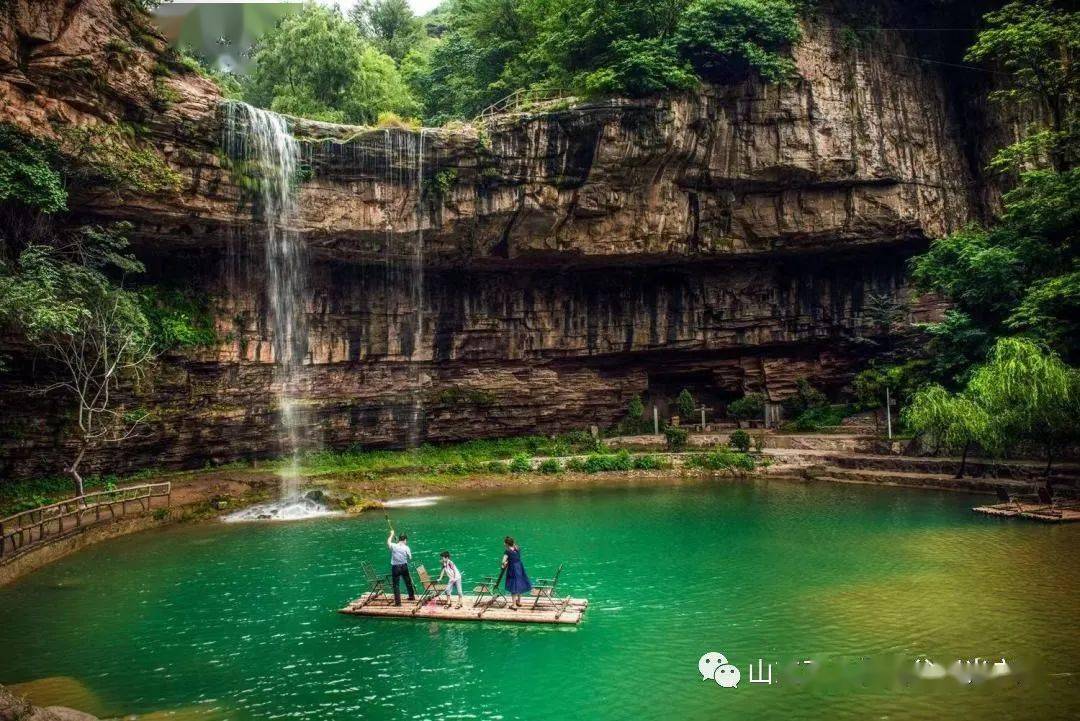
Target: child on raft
{"type": "Point", "coordinates": [453, 578]}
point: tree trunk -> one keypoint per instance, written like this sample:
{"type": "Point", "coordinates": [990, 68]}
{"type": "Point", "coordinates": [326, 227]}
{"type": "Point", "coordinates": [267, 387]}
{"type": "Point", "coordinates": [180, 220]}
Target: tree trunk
{"type": "Point", "coordinates": [1057, 122]}
{"type": "Point", "coordinates": [963, 460]}
{"type": "Point", "coordinates": [73, 471]}
{"type": "Point", "coordinates": [1049, 460]}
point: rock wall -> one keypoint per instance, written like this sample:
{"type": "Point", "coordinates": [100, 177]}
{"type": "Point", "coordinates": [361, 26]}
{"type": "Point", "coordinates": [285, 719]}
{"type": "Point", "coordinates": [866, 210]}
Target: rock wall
{"type": "Point", "coordinates": [572, 256]}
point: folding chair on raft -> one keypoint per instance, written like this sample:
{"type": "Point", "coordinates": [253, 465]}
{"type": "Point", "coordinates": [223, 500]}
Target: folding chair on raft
{"type": "Point", "coordinates": [377, 585]}
{"type": "Point", "coordinates": [544, 590]}
{"type": "Point", "coordinates": [489, 587]}
{"type": "Point", "coordinates": [431, 589]}
{"type": "Point", "coordinates": [1052, 508]}
{"type": "Point", "coordinates": [1006, 499]}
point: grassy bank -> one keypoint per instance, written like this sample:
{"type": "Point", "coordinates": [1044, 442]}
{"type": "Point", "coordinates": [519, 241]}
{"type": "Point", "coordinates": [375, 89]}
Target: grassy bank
{"type": "Point", "coordinates": [375, 473]}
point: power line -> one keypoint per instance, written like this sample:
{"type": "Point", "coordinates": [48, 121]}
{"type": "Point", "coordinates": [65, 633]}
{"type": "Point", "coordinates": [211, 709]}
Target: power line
{"type": "Point", "coordinates": [952, 65]}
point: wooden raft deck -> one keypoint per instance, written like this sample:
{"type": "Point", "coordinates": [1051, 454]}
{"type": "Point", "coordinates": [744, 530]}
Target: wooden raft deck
{"type": "Point", "coordinates": [545, 613]}
{"type": "Point", "coordinates": [1031, 511]}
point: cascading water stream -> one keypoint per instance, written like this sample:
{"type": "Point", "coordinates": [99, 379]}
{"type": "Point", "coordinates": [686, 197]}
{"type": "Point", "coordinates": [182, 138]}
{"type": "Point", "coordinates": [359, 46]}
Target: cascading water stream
{"type": "Point", "coordinates": [418, 297]}
{"type": "Point", "coordinates": [259, 142]}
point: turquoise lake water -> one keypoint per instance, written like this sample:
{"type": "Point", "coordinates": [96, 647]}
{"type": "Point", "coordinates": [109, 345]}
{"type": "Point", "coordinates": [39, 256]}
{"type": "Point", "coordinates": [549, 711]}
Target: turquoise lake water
{"type": "Point", "coordinates": [238, 621]}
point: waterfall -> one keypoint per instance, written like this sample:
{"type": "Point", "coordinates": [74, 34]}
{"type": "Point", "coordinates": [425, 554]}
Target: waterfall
{"type": "Point", "coordinates": [259, 145]}
{"type": "Point", "coordinates": [418, 296]}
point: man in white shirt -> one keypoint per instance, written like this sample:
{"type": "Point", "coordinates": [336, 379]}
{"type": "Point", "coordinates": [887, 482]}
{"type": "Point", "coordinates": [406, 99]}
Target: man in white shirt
{"type": "Point", "coordinates": [400, 555]}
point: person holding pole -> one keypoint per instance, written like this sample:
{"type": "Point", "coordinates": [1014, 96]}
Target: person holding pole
{"type": "Point", "coordinates": [400, 555]}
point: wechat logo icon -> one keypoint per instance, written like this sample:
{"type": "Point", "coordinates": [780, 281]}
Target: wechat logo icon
{"type": "Point", "coordinates": [715, 666]}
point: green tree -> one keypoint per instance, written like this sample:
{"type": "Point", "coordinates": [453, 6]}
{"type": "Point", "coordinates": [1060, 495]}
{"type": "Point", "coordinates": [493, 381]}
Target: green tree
{"type": "Point", "coordinates": [61, 299]}
{"type": "Point", "coordinates": [726, 40]}
{"type": "Point", "coordinates": [390, 25]}
{"type": "Point", "coordinates": [316, 64]}
{"type": "Point", "coordinates": [1023, 394]}
{"type": "Point", "coordinates": [491, 48]}
{"type": "Point", "coordinates": [953, 422]}
{"type": "Point", "coordinates": [1031, 395]}
{"type": "Point", "coordinates": [902, 380]}
{"type": "Point", "coordinates": [676, 438]}
{"type": "Point", "coordinates": [749, 407]}
{"type": "Point", "coordinates": [685, 405]}
{"type": "Point", "coordinates": [1018, 277]}
{"type": "Point", "coordinates": [740, 441]}
{"type": "Point", "coordinates": [1037, 43]}
{"type": "Point", "coordinates": [805, 397]}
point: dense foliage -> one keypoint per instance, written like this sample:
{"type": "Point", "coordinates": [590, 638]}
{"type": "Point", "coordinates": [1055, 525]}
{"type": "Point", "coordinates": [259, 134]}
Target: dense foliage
{"type": "Point", "coordinates": [1037, 42]}
{"type": "Point", "coordinates": [470, 53]}
{"type": "Point", "coordinates": [64, 288]}
{"type": "Point", "coordinates": [1023, 395]}
{"type": "Point", "coordinates": [27, 175]}
{"type": "Point", "coordinates": [316, 64]}
{"type": "Point", "coordinates": [389, 25]}
{"type": "Point", "coordinates": [591, 47]}
{"type": "Point", "coordinates": [749, 407]}
{"type": "Point", "coordinates": [60, 295]}
{"type": "Point", "coordinates": [1013, 285]}
{"type": "Point", "coordinates": [1020, 276]}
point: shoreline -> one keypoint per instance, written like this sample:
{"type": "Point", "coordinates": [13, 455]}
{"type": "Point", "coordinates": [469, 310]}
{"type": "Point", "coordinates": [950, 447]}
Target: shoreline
{"type": "Point", "coordinates": [353, 486]}
{"type": "Point", "coordinates": [198, 496]}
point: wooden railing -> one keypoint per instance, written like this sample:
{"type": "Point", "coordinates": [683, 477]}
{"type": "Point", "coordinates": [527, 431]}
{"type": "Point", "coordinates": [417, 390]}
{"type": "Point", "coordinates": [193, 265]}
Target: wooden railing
{"type": "Point", "coordinates": [519, 100]}
{"type": "Point", "coordinates": [39, 526]}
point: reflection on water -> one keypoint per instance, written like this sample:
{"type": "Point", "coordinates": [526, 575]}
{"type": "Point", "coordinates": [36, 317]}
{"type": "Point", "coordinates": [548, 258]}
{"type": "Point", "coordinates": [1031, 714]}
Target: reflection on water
{"type": "Point", "coordinates": [237, 621]}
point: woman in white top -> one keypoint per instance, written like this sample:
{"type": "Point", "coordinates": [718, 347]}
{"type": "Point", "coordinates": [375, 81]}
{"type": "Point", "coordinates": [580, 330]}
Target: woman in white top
{"type": "Point", "coordinates": [453, 578]}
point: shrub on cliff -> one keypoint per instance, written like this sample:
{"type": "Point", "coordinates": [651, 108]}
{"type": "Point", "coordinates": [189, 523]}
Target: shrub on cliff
{"type": "Point", "coordinates": [726, 40]}
{"type": "Point", "coordinates": [27, 172]}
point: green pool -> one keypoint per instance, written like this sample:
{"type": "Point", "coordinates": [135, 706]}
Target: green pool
{"type": "Point", "coordinates": [238, 621]}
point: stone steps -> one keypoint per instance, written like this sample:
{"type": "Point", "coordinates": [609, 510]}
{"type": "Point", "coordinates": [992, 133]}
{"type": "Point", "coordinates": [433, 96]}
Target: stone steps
{"type": "Point", "coordinates": [1027, 471]}
{"type": "Point", "coordinates": [917, 480]}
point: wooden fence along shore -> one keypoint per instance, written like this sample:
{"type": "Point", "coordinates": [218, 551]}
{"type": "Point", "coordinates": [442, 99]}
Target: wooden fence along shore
{"type": "Point", "coordinates": [38, 527]}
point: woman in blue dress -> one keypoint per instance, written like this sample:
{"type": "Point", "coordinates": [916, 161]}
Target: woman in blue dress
{"type": "Point", "coordinates": [517, 581]}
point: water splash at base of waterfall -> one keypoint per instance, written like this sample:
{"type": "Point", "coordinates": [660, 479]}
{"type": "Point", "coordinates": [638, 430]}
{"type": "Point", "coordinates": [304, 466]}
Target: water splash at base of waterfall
{"type": "Point", "coordinates": [286, 509]}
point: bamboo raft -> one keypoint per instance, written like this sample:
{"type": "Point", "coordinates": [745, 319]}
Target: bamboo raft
{"type": "Point", "coordinates": [567, 611]}
{"type": "Point", "coordinates": [1031, 511]}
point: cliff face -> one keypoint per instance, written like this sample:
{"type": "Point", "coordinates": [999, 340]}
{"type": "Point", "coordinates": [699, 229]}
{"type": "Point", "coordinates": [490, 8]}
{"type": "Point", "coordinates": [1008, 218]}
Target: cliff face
{"type": "Point", "coordinates": [571, 257]}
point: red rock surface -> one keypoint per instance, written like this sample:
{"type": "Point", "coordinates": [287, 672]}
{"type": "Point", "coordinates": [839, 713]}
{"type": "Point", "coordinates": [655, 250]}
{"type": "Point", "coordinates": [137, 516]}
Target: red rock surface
{"type": "Point", "coordinates": [574, 257]}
